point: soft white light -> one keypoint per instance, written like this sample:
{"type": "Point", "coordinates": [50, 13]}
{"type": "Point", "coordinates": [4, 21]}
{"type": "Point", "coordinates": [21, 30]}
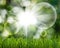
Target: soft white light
{"type": "Point", "coordinates": [26, 18]}
{"type": "Point", "coordinates": [36, 17]}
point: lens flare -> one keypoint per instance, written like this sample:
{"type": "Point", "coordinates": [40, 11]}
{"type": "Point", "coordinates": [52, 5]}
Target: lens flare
{"type": "Point", "coordinates": [27, 18]}
{"type": "Point", "coordinates": [42, 16]}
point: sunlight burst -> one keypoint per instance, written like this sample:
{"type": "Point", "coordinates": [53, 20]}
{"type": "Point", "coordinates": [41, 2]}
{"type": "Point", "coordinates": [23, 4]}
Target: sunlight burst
{"type": "Point", "coordinates": [42, 16]}
{"type": "Point", "coordinates": [27, 18]}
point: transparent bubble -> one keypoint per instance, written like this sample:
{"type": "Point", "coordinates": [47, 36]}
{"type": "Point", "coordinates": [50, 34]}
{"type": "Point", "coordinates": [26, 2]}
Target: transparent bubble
{"type": "Point", "coordinates": [46, 16]}
{"type": "Point", "coordinates": [32, 22]}
{"type": "Point", "coordinates": [45, 13]}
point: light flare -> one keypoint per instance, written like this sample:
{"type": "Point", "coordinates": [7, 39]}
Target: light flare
{"type": "Point", "coordinates": [25, 19]}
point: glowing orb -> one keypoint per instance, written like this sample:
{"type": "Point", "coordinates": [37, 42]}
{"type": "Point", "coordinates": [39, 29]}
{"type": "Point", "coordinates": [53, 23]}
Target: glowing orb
{"type": "Point", "coordinates": [39, 18]}
{"type": "Point", "coordinates": [46, 16]}
{"type": "Point", "coordinates": [27, 18]}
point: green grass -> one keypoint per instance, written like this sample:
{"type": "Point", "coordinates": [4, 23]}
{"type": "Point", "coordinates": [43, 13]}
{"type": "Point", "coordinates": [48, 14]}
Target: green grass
{"type": "Point", "coordinates": [29, 43]}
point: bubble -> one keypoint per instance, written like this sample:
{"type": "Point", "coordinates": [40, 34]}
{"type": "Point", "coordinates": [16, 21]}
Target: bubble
{"type": "Point", "coordinates": [45, 13]}
{"type": "Point", "coordinates": [46, 16]}
{"type": "Point", "coordinates": [32, 22]}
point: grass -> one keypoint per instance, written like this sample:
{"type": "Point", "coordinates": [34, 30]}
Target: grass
{"type": "Point", "coordinates": [29, 43]}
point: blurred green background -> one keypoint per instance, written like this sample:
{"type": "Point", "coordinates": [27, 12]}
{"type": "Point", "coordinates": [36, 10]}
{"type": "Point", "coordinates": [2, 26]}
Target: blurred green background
{"type": "Point", "coordinates": [49, 38]}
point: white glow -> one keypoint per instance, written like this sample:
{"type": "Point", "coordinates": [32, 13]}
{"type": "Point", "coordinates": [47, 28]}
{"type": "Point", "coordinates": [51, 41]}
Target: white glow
{"type": "Point", "coordinates": [26, 18]}
{"type": "Point", "coordinates": [35, 17]}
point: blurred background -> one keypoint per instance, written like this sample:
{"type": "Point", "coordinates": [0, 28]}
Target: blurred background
{"type": "Point", "coordinates": [50, 38]}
